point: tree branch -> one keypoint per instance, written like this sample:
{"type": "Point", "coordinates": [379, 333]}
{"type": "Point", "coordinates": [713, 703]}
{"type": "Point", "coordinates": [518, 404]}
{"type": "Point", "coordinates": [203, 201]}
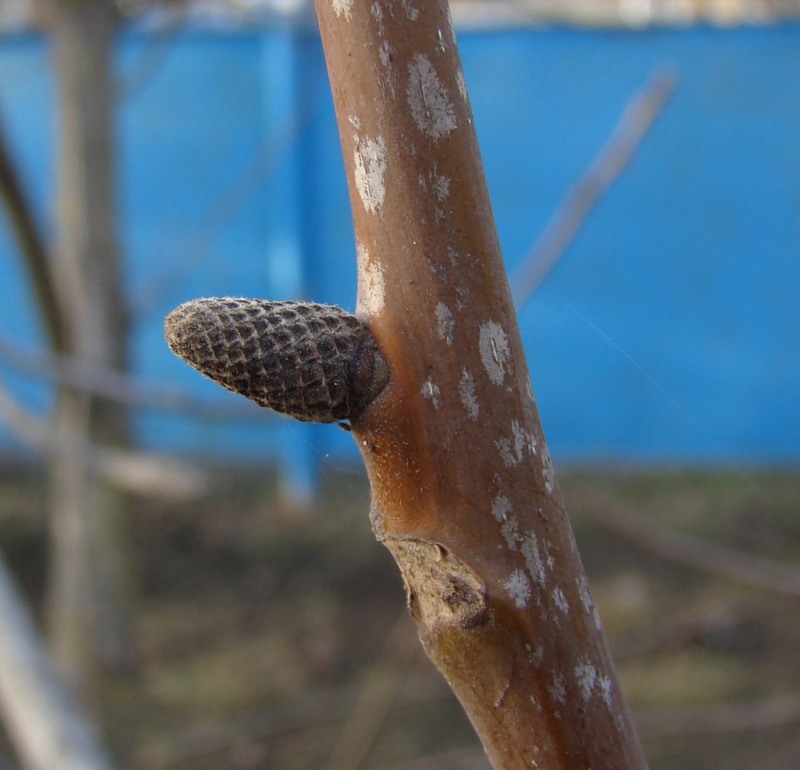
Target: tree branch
{"type": "Point", "coordinates": [603, 172]}
{"type": "Point", "coordinates": [375, 698]}
{"type": "Point", "coordinates": [464, 493]}
{"type": "Point", "coordinates": [133, 471]}
{"type": "Point", "coordinates": [118, 386]}
{"type": "Point", "coordinates": [31, 245]}
{"type": "Point", "coordinates": [724, 718]}
{"type": "Point", "coordinates": [47, 729]}
{"type": "Point", "coordinates": [695, 553]}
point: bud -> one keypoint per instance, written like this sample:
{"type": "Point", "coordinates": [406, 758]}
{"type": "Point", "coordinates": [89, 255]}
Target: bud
{"type": "Point", "coordinates": [312, 362]}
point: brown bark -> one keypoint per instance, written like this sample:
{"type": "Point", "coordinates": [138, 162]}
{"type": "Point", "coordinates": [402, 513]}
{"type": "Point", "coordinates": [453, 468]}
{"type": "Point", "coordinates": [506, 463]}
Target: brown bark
{"type": "Point", "coordinates": [88, 586]}
{"type": "Point", "coordinates": [31, 245]}
{"type": "Point", "coordinates": [464, 494]}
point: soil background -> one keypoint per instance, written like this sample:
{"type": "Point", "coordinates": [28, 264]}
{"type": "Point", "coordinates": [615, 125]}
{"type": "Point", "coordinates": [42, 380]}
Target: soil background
{"type": "Point", "coordinates": [274, 638]}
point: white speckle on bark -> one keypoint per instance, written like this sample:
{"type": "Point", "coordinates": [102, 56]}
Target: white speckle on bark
{"type": "Point", "coordinates": [512, 448]}
{"type": "Point", "coordinates": [469, 398]}
{"type": "Point", "coordinates": [520, 439]}
{"type": "Point", "coordinates": [586, 675]}
{"type": "Point", "coordinates": [445, 325]}
{"type": "Point", "coordinates": [587, 601]}
{"type": "Point", "coordinates": [506, 452]}
{"type": "Point", "coordinates": [495, 351]}
{"type": "Point", "coordinates": [501, 507]}
{"type": "Point", "coordinates": [441, 187]}
{"type": "Point", "coordinates": [533, 559]}
{"type": "Point", "coordinates": [518, 588]}
{"type": "Point", "coordinates": [343, 8]}
{"type": "Point", "coordinates": [462, 85]}
{"type": "Point", "coordinates": [604, 683]}
{"type": "Point", "coordinates": [430, 391]}
{"type": "Point", "coordinates": [428, 99]}
{"type": "Point", "coordinates": [550, 559]}
{"type": "Point", "coordinates": [370, 171]}
{"type": "Point", "coordinates": [371, 283]}
{"type": "Point", "coordinates": [510, 532]}
{"type": "Point", "coordinates": [561, 601]}
{"type": "Point", "coordinates": [377, 12]}
{"type": "Point", "coordinates": [411, 12]}
{"type": "Point", "coordinates": [385, 53]}
{"type": "Point", "coordinates": [548, 473]}
{"type": "Point", "coordinates": [529, 389]}
{"type": "Point", "coordinates": [557, 688]}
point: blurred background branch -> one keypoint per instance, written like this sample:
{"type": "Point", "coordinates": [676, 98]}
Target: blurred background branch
{"type": "Point", "coordinates": [124, 388]}
{"type": "Point", "coordinates": [604, 170]}
{"type": "Point", "coordinates": [698, 554]}
{"type": "Point", "coordinates": [131, 470]}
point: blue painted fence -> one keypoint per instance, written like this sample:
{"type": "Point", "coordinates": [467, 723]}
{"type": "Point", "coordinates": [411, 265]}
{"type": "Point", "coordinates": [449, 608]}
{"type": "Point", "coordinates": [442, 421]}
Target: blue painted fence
{"type": "Point", "coordinates": [670, 330]}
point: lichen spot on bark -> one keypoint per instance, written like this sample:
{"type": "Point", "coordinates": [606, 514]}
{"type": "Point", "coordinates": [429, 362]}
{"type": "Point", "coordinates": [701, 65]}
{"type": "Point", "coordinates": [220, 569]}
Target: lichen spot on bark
{"type": "Point", "coordinates": [495, 351]}
{"type": "Point", "coordinates": [371, 283]}
{"type": "Point", "coordinates": [369, 171]}
{"type": "Point", "coordinates": [428, 99]}
{"type": "Point", "coordinates": [343, 8]}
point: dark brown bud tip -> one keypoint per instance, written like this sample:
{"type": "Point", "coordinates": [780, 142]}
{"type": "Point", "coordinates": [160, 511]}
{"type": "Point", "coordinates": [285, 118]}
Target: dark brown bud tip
{"type": "Point", "coordinates": [312, 362]}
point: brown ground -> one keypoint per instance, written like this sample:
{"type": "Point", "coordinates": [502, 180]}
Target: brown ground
{"type": "Point", "coordinates": [273, 640]}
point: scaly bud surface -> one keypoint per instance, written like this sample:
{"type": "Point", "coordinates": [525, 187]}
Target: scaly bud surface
{"type": "Point", "coordinates": [312, 362]}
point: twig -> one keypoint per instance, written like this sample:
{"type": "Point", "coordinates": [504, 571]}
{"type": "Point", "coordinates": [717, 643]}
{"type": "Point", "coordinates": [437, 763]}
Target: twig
{"type": "Point", "coordinates": [46, 727]}
{"type": "Point", "coordinates": [454, 759]}
{"type": "Point", "coordinates": [696, 553]}
{"type": "Point", "coordinates": [671, 634]}
{"type": "Point", "coordinates": [463, 489]}
{"type": "Point", "coordinates": [604, 170]}
{"type": "Point", "coordinates": [122, 388]}
{"type": "Point", "coordinates": [31, 245]}
{"type": "Point", "coordinates": [131, 470]}
{"type": "Point", "coordinates": [231, 200]}
{"type": "Point", "coordinates": [726, 718]}
{"type": "Point", "coordinates": [316, 709]}
{"type": "Point", "coordinates": [160, 45]}
{"type": "Point", "coordinates": [375, 697]}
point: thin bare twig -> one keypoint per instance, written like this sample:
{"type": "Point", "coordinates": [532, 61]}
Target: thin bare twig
{"type": "Point", "coordinates": [604, 170]}
{"type": "Point", "coordinates": [454, 759]}
{"type": "Point", "coordinates": [122, 388]}
{"type": "Point", "coordinates": [696, 553]}
{"type": "Point", "coordinates": [672, 634]}
{"type": "Point", "coordinates": [131, 470]}
{"type": "Point", "coordinates": [317, 709]}
{"type": "Point", "coordinates": [31, 245]}
{"type": "Point", "coordinates": [725, 718]}
{"type": "Point", "coordinates": [375, 697]}
{"type": "Point", "coordinates": [234, 197]}
{"type": "Point", "coordinates": [48, 729]}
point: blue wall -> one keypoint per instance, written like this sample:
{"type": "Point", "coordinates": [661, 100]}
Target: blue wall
{"type": "Point", "coordinates": [669, 332]}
